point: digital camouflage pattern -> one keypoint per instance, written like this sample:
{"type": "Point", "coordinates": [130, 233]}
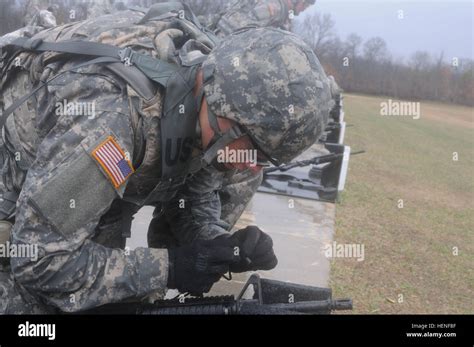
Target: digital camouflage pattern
{"type": "Point", "coordinates": [335, 89]}
{"type": "Point", "coordinates": [44, 19]}
{"type": "Point", "coordinates": [65, 196]}
{"type": "Point", "coordinates": [297, 100]}
{"type": "Point", "coordinates": [32, 8]}
{"type": "Point", "coordinates": [237, 191]}
{"type": "Point", "coordinates": [259, 13]}
{"type": "Point", "coordinates": [41, 20]}
{"type": "Point", "coordinates": [99, 8]}
{"type": "Point", "coordinates": [68, 206]}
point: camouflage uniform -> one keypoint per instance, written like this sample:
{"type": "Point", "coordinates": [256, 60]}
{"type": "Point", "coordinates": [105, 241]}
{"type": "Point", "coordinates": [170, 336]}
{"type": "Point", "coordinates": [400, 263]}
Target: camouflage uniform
{"type": "Point", "coordinates": [238, 190]}
{"type": "Point", "coordinates": [41, 20]}
{"type": "Point", "coordinates": [32, 7]}
{"type": "Point", "coordinates": [72, 206]}
{"type": "Point", "coordinates": [336, 90]}
{"type": "Point", "coordinates": [243, 13]}
{"type": "Point", "coordinates": [98, 8]}
{"type": "Point", "coordinates": [44, 19]}
{"type": "Point", "coordinates": [68, 205]}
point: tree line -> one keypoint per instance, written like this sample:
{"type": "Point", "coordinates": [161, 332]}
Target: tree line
{"type": "Point", "coordinates": [368, 67]}
{"type": "Point", "coordinates": [358, 66]}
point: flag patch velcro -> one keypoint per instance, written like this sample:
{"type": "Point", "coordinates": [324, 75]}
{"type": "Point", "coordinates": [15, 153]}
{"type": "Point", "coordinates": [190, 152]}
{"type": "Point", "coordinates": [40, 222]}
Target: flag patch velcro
{"type": "Point", "coordinates": [113, 161]}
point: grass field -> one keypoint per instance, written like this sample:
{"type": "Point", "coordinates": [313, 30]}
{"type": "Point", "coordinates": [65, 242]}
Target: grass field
{"type": "Point", "coordinates": [419, 258]}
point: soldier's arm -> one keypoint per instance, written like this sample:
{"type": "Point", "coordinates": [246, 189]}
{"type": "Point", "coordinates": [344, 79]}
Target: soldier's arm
{"type": "Point", "coordinates": [195, 212]}
{"type": "Point", "coordinates": [66, 191]}
{"type": "Point", "coordinates": [270, 13]}
{"type": "Point", "coordinates": [263, 13]}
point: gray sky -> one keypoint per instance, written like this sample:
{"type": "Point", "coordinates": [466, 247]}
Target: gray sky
{"type": "Point", "coordinates": [429, 25]}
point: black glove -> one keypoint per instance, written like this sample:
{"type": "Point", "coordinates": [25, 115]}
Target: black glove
{"type": "Point", "coordinates": [196, 267]}
{"type": "Point", "coordinates": [255, 250]}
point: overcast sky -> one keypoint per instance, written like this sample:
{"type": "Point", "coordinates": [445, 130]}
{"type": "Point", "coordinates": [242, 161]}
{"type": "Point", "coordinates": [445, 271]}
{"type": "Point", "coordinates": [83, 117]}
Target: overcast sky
{"type": "Point", "coordinates": [429, 25]}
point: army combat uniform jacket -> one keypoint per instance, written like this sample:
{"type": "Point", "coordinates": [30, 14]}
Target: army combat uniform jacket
{"type": "Point", "coordinates": [245, 13]}
{"type": "Point", "coordinates": [84, 152]}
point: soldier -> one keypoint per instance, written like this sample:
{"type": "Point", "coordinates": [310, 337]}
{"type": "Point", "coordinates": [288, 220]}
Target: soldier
{"type": "Point", "coordinates": [100, 141]}
{"type": "Point", "coordinates": [32, 7]}
{"type": "Point", "coordinates": [335, 89]}
{"type": "Point", "coordinates": [98, 8]}
{"type": "Point", "coordinates": [38, 20]}
{"type": "Point", "coordinates": [44, 18]}
{"type": "Point", "coordinates": [260, 13]}
{"type": "Point", "coordinates": [237, 190]}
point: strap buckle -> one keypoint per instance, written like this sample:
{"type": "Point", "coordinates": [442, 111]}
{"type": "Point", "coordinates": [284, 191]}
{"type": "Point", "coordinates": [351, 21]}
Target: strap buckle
{"type": "Point", "coordinates": [126, 55]}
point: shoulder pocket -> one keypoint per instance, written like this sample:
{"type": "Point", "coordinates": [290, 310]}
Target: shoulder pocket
{"type": "Point", "coordinates": [77, 194]}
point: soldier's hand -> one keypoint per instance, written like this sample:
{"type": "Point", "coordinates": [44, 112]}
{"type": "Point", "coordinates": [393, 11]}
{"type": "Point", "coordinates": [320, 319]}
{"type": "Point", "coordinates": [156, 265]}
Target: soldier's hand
{"type": "Point", "coordinates": [196, 267]}
{"type": "Point", "coordinates": [255, 250]}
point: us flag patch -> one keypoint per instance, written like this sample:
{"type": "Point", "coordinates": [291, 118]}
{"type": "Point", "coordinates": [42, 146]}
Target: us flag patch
{"type": "Point", "coordinates": [113, 160]}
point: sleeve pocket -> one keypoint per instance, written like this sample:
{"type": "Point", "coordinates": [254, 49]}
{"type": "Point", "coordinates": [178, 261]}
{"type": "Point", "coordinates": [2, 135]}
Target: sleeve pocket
{"type": "Point", "coordinates": [75, 196]}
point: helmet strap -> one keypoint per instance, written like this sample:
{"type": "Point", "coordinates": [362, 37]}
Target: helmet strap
{"type": "Point", "coordinates": [213, 123]}
{"type": "Point", "coordinates": [220, 140]}
{"type": "Point", "coordinates": [217, 143]}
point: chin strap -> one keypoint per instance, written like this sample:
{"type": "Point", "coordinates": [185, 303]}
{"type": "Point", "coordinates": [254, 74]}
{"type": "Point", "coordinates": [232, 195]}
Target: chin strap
{"type": "Point", "coordinates": [220, 140]}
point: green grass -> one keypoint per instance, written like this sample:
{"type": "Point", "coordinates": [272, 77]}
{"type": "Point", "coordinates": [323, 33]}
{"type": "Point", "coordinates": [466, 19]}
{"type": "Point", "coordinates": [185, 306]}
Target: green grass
{"type": "Point", "coordinates": [408, 251]}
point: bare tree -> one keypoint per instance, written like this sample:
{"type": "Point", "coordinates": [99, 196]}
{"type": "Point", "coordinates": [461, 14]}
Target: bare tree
{"type": "Point", "coordinates": [375, 49]}
{"type": "Point", "coordinates": [317, 30]}
{"type": "Point", "coordinates": [420, 60]}
{"type": "Point", "coordinates": [352, 45]}
{"type": "Point", "coordinates": [368, 69]}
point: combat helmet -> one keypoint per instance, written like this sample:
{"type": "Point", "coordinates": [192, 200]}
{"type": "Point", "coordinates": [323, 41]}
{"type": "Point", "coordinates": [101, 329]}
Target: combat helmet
{"type": "Point", "coordinates": [272, 85]}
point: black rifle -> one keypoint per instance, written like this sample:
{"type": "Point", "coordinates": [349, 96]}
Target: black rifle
{"type": "Point", "coordinates": [269, 298]}
{"type": "Point", "coordinates": [328, 158]}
